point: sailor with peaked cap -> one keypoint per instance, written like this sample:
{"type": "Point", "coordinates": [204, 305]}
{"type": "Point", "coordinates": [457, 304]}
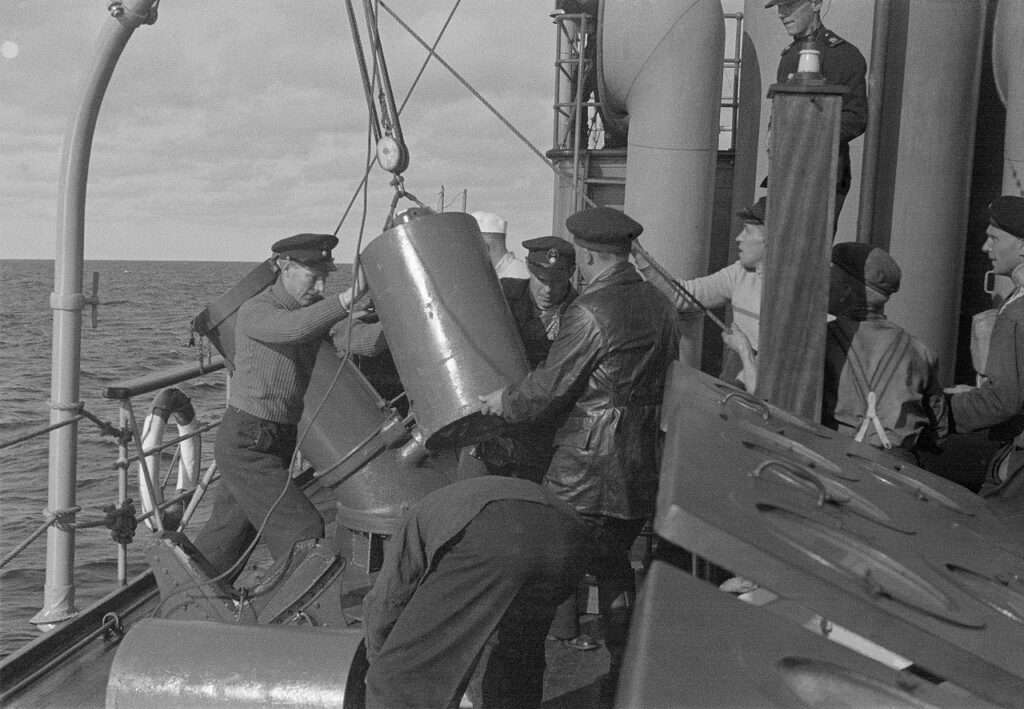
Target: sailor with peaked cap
{"type": "Point", "coordinates": [998, 404]}
{"type": "Point", "coordinates": [551, 262]}
{"type": "Point", "coordinates": [604, 377]}
{"type": "Point", "coordinates": [525, 450]}
{"type": "Point", "coordinates": [537, 304]}
{"type": "Point", "coordinates": [881, 383]}
{"type": "Point", "coordinates": [277, 338]}
{"type": "Point", "coordinates": [549, 256]}
{"type": "Point", "coordinates": [603, 230]}
{"type": "Point", "coordinates": [311, 250]}
{"type": "Point", "coordinates": [493, 229]}
{"type": "Point", "coordinates": [738, 285]}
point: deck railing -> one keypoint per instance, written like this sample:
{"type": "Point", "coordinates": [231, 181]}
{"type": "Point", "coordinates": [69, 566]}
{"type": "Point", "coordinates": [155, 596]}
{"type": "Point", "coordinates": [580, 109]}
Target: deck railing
{"type": "Point", "coordinates": [121, 517]}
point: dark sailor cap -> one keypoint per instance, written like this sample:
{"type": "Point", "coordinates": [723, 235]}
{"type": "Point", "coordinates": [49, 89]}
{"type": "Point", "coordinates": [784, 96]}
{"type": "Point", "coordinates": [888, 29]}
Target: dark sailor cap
{"type": "Point", "coordinates": [603, 229]}
{"type": "Point", "coordinates": [549, 257]}
{"type": "Point", "coordinates": [754, 214]}
{"type": "Point", "coordinates": [870, 265]}
{"type": "Point", "coordinates": [1007, 213]}
{"type": "Point", "coordinates": [313, 250]}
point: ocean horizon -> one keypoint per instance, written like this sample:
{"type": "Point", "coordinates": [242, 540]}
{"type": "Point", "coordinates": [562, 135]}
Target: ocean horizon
{"type": "Point", "coordinates": [144, 324]}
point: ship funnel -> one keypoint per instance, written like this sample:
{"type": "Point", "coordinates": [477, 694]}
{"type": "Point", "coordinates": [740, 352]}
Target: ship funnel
{"type": "Point", "coordinates": [661, 68]}
{"type": "Point", "coordinates": [448, 327]}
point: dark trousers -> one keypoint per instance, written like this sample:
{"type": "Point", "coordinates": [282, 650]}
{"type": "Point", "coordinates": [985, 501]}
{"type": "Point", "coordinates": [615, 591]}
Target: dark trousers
{"type": "Point", "coordinates": [612, 539]}
{"type": "Point", "coordinates": [252, 457]}
{"type": "Point", "coordinates": [489, 597]}
{"type": "Point", "coordinates": [613, 571]}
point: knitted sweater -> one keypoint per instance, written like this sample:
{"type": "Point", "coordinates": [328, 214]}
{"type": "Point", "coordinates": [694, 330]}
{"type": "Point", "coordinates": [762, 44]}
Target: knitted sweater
{"type": "Point", "coordinates": [734, 284]}
{"type": "Point", "coordinates": [276, 344]}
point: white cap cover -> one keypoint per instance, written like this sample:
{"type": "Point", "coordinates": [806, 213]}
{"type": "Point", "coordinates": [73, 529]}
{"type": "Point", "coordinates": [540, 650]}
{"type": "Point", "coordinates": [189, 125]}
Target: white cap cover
{"type": "Point", "coordinates": [490, 223]}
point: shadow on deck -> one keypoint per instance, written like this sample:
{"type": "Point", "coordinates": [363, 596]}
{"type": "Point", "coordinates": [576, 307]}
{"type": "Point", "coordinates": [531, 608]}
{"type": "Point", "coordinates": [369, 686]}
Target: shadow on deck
{"type": "Point", "coordinates": [573, 677]}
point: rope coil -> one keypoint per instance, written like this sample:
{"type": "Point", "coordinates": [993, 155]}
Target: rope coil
{"type": "Point", "coordinates": [121, 521]}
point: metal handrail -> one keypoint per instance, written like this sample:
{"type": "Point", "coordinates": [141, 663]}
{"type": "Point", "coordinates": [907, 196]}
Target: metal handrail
{"type": "Point", "coordinates": [149, 383]}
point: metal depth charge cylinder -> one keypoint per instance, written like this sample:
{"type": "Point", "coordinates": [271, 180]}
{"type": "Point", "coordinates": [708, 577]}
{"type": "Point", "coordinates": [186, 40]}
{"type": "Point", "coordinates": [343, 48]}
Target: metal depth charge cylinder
{"type": "Point", "coordinates": [182, 664]}
{"type": "Point", "coordinates": [448, 326]}
{"type": "Point", "coordinates": [341, 425]}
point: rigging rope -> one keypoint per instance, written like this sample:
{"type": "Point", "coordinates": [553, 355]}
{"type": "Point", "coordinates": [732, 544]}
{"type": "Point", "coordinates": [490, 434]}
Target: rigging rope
{"type": "Point", "coordinates": [392, 152]}
{"type": "Point", "coordinates": [468, 86]}
{"type": "Point", "coordinates": [408, 94]}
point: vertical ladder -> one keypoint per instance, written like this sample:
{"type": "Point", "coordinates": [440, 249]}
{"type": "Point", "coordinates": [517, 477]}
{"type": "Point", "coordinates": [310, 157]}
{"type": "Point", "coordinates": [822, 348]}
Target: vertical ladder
{"type": "Point", "coordinates": [577, 126]}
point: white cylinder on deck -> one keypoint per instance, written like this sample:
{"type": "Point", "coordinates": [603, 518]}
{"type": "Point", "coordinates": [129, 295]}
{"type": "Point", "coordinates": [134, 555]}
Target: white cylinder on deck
{"type": "Point", "coordinates": [924, 177]}
{"type": "Point", "coordinates": [662, 65]}
{"type": "Point", "coordinates": [1007, 60]}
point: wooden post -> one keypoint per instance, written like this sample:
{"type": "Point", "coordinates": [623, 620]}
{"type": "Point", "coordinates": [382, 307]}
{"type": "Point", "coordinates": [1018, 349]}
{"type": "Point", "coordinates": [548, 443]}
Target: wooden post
{"type": "Point", "coordinates": [804, 147]}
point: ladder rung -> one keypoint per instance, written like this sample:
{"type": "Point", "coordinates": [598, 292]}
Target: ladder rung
{"type": "Point", "coordinates": [604, 180]}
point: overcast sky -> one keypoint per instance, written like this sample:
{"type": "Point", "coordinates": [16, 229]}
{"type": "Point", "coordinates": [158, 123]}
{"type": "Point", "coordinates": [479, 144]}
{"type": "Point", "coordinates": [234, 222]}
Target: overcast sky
{"type": "Point", "coordinates": [231, 123]}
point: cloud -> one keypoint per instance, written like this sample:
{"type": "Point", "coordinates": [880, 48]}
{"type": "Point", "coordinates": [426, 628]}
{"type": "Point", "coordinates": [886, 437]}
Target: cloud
{"type": "Point", "coordinates": [229, 124]}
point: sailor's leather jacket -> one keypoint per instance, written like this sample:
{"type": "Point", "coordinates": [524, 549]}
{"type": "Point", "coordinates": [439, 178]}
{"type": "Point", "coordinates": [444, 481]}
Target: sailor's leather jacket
{"type": "Point", "coordinates": [605, 375]}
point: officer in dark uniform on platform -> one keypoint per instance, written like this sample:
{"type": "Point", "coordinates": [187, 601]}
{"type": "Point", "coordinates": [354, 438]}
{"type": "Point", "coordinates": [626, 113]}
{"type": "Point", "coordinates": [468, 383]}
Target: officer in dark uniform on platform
{"type": "Point", "coordinates": [277, 338]}
{"type": "Point", "coordinates": [605, 374]}
{"type": "Point", "coordinates": [842, 64]}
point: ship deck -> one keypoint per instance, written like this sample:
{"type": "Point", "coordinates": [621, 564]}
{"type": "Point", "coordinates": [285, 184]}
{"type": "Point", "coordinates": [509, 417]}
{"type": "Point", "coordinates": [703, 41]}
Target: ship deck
{"type": "Point", "coordinates": [68, 668]}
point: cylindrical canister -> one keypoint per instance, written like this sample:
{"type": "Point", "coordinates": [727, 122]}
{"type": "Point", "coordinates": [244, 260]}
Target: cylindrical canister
{"type": "Point", "coordinates": [343, 436]}
{"type": "Point", "coordinates": [165, 663]}
{"type": "Point", "coordinates": [448, 326]}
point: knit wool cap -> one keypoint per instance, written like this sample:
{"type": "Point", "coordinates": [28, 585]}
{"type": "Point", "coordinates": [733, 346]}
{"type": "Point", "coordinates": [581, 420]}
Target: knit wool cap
{"type": "Point", "coordinates": [1007, 213]}
{"type": "Point", "coordinates": [754, 214]}
{"type": "Point", "coordinates": [870, 265]}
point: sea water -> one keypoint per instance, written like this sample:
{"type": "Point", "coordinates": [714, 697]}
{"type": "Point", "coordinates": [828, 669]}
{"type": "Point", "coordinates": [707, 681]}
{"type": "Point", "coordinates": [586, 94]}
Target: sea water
{"type": "Point", "coordinates": [144, 316]}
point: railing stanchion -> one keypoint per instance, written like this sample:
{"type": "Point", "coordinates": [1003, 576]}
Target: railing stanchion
{"type": "Point", "coordinates": [122, 482]}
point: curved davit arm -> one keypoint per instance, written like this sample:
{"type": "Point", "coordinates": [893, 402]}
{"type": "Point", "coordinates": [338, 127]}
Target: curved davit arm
{"type": "Point", "coordinates": [1007, 60]}
{"type": "Point", "coordinates": [67, 302]}
{"type": "Point", "coordinates": [661, 68]}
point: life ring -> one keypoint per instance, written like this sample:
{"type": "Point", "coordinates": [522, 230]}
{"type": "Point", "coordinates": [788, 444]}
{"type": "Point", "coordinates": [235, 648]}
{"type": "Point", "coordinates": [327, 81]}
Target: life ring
{"type": "Point", "coordinates": [168, 402]}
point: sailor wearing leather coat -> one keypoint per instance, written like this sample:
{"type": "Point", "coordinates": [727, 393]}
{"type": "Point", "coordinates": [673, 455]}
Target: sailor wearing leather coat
{"type": "Point", "coordinates": [607, 368]}
{"type": "Point", "coordinates": [604, 376]}
{"type": "Point", "coordinates": [605, 373]}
